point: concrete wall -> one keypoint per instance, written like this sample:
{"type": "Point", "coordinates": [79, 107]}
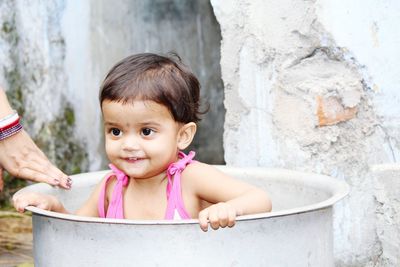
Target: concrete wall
{"type": "Point", "coordinates": [313, 86]}
{"type": "Point", "coordinates": [387, 184]}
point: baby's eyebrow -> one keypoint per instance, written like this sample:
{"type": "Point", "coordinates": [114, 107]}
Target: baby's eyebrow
{"type": "Point", "coordinates": [107, 123]}
{"type": "Point", "coordinates": [149, 123]}
{"type": "Point", "coordinates": [138, 124]}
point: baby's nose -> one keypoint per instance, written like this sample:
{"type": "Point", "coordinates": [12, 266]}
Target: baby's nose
{"type": "Point", "coordinates": [131, 143]}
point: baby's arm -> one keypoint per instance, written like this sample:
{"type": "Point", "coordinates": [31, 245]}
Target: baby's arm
{"type": "Point", "coordinates": [42, 201]}
{"type": "Point", "coordinates": [51, 203]}
{"type": "Point", "coordinates": [89, 208]}
{"type": "Point", "coordinates": [229, 197]}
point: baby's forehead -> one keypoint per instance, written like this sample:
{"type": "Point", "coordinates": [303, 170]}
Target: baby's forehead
{"type": "Point", "coordinates": [135, 111]}
{"type": "Point", "coordinates": [134, 104]}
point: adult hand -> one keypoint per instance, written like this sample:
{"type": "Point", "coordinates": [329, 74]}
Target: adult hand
{"type": "Point", "coordinates": [20, 156]}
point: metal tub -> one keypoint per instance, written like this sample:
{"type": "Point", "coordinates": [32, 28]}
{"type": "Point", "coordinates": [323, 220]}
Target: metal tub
{"type": "Point", "coordinates": [298, 232]}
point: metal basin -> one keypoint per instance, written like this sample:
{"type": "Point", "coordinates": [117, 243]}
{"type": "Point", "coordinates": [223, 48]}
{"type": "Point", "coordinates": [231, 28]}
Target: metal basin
{"type": "Point", "coordinates": [298, 232]}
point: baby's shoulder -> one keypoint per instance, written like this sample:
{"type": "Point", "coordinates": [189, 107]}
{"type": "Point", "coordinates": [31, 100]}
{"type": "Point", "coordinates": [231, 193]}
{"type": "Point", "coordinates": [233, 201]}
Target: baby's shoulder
{"type": "Point", "coordinates": [198, 170]}
{"type": "Point", "coordinates": [195, 167]}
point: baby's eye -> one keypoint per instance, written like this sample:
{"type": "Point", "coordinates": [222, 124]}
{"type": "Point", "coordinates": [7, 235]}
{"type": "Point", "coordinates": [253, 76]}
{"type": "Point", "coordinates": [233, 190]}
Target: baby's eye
{"type": "Point", "coordinates": [115, 132]}
{"type": "Point", "coordinates": [147, 131]}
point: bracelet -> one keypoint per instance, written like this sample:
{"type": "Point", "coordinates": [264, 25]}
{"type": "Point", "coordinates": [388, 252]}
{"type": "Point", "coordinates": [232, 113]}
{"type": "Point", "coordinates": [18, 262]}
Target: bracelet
{"type": "Point", "coordinates": [9, 126]}
{"type": "Point", "coordinates": [8, 119]}
{"type": "Point", "coordinates": [10, 131]}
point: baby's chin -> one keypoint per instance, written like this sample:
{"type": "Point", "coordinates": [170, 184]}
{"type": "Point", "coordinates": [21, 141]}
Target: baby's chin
{"type": "Point", "coordinates": [140, 168]}
{"type": "Point", "coordinates": [142, 175]}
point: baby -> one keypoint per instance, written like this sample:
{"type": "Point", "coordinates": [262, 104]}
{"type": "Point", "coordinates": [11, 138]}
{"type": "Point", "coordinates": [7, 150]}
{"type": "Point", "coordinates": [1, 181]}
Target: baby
{"type": "Point", "coordinates": [150, 105]}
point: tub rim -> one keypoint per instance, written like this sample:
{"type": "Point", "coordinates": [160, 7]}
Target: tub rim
{"type": "Point", "coordinates": [338, 189]}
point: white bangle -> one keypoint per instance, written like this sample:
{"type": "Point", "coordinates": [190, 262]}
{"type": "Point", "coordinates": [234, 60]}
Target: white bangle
{"type": "Point", "coordinates": [9, 119]}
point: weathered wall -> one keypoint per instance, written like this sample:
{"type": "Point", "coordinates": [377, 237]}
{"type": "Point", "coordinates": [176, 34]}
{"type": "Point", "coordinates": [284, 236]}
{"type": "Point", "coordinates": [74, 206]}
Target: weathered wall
{"type": "Point", "coordinates": [387, 184]}
{"type": "Point", "coordinates": [306, 88]}
{"type": "Point", "coordinates": [32, 52]}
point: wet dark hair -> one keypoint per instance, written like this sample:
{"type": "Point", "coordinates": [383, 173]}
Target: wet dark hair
{"type": "Point", "coordinates": [162, 79]}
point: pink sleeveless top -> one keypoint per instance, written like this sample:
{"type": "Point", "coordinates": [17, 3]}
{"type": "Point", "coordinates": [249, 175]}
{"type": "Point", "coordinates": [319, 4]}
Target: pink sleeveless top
{"type": "Point", "coordinates": [175, 206]}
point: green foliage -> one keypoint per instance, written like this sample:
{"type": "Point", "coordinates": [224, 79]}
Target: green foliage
{"type": "Point", "coordinates": [9, 31]}
{"type": "Point", "coordinates": [14, 94]}
{"type": "Point", "coordinates": [69, 116]}
{"type": "Point", "coordinates": [59, 143]}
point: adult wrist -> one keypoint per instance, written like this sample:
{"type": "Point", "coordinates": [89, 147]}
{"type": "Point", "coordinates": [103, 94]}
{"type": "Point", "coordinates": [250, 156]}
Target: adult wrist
{"type": "Point", "coordinates": [9, 125]}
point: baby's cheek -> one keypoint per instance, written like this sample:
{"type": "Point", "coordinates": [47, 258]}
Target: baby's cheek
{"type": "Point", "coordinates": [111, 150]}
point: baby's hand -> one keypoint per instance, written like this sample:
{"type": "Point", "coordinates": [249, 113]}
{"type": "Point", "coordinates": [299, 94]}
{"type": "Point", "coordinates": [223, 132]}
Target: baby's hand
{"type": "Point", "coordinates": [42, 201]}
{"type": "Point", "coordinates": [219, 215]}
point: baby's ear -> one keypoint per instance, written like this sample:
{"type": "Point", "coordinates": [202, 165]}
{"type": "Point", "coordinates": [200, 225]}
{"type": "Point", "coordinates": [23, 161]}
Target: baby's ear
{"type": "Point", "coordinates": [186, 135]}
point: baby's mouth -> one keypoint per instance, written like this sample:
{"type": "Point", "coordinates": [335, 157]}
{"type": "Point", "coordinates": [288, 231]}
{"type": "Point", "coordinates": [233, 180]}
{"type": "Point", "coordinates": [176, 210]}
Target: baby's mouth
{"type": "Point", "coordinates": [132, 159]}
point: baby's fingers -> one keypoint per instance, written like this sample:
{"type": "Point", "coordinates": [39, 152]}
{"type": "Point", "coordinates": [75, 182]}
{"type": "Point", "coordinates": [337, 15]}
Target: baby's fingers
{"type": "Point", "coordinates": [231, 218]}
{"type": "Point", "coordinates": [203, 220]}
{"type": "Point", "coordinates": [209, 214]}
{"type": "Point", "coordinates": [214, 219]}
{"type": "Point", "coordinates": [20, 204]}
{"type": "Point", "coordinates": [23, 200]}
{"type": "Point", "coordinates": [223, 217]}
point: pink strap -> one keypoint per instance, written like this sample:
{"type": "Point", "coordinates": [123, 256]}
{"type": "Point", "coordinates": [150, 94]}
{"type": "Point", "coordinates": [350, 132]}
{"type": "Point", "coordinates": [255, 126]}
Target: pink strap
{"type": "Point", "coordinates": [174, 193]}
{"type": "Point", "coordinates": [116, 205]}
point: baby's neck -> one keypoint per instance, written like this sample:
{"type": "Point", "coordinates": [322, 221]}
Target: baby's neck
{"type": "Point", "coordinates": [151, 182]}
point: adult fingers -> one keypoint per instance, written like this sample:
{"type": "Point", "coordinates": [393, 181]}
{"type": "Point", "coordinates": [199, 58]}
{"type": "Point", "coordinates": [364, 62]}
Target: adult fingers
{"type": "Point", "coordinates": [37, 176]}
{"type": "Point", "coordinates": [44, 171]}
{"type": "Point", "coordinates": [64, 180]}
{"type": "Point", "coordinates": [41, 163]}
{"type": "Point", "coordinates": [54, 175]}
{"type": "Point", "coordinates": [28, 167]}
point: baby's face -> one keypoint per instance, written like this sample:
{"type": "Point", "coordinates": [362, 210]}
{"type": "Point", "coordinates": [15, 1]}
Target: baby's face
{"type": "Point", "coordinates": [140, 138]}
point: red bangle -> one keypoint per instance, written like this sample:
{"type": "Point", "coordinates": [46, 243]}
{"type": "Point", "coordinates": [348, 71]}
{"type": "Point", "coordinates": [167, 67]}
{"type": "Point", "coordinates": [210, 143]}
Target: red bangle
{"type": "Point", "coordinates": [10, 125]}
